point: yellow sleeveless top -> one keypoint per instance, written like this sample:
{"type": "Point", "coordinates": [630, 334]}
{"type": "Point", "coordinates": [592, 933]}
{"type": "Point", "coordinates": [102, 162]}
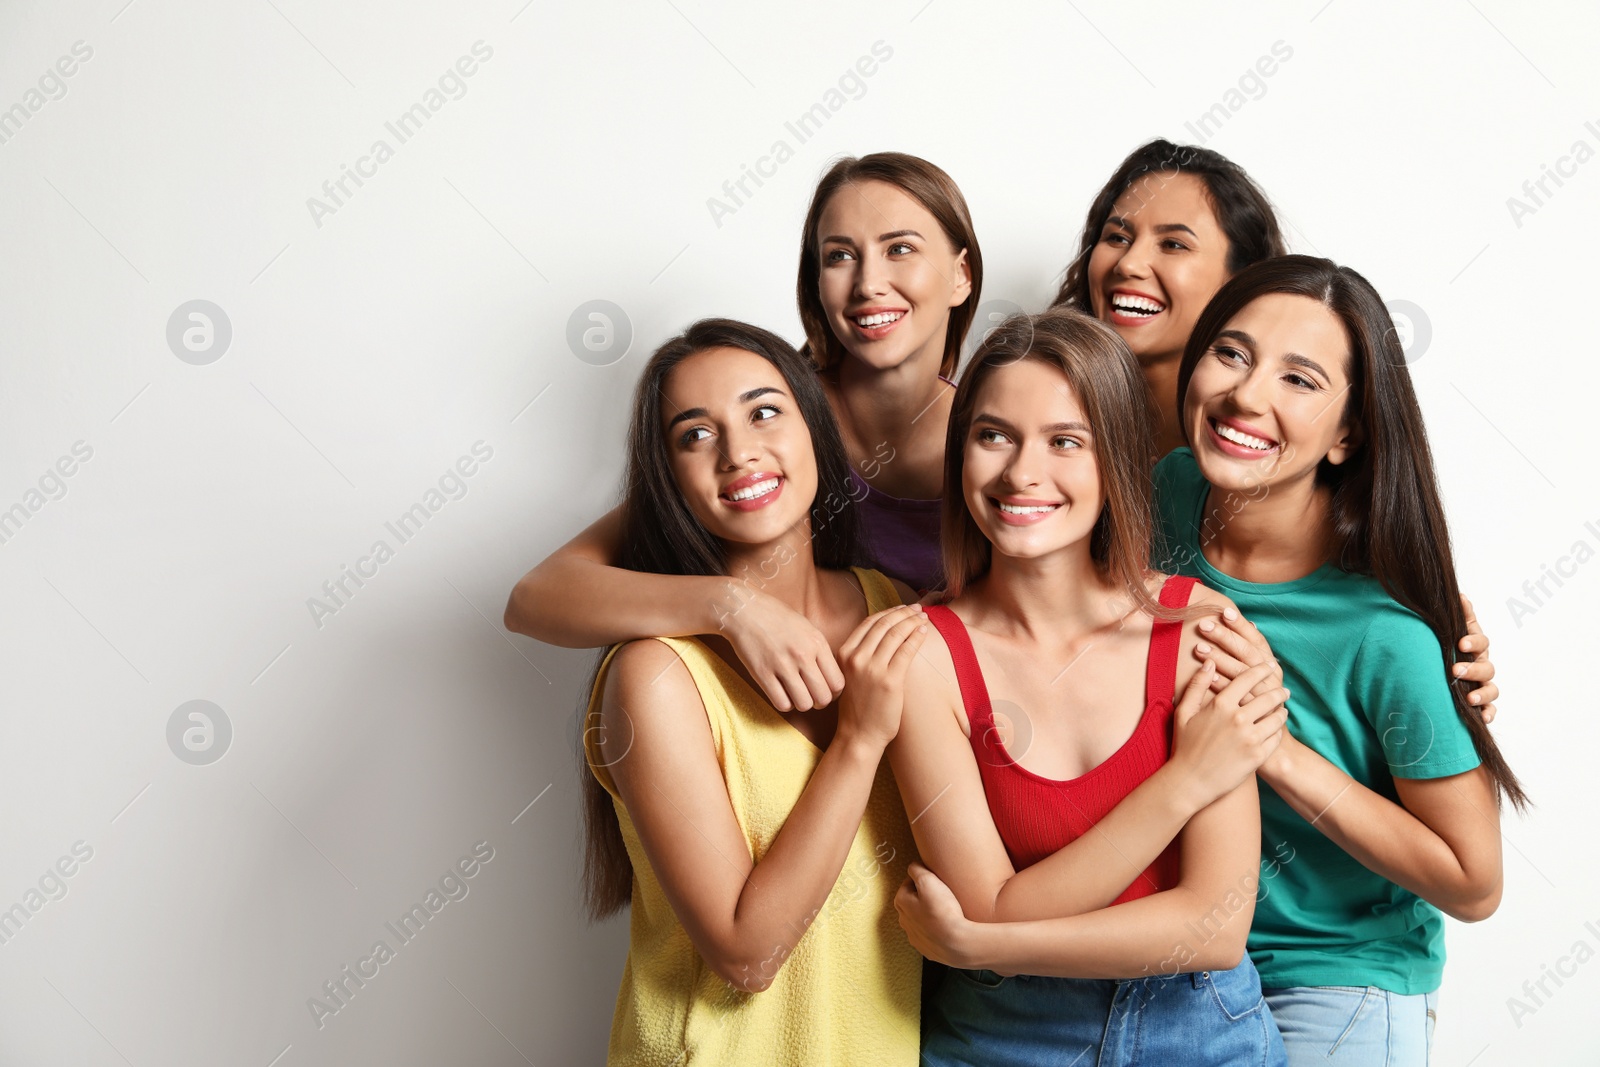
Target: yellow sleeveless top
{"type": "Point", "coordinates": [850, 991]}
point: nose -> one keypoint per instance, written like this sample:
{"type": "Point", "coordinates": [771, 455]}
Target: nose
{"type": "Point", "coordinates": [1022, 471]}
{"type": "Point", "coordinates": [1249, 393]}
{"type": "Point", "coordinates": [872, 276]}
{"type": "Point", "coordinates": [739, 447]}
{"type": "Point", "coordinates": [1134, 261]}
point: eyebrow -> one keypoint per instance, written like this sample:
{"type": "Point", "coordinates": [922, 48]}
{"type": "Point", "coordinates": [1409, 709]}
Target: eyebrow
{"type": "Point", "coordinates": [1054, 427]}
{"type": "Point", "coordinates": [1165, 227]}
{"type": "Point", "coordinates": [1292, 358]}
{"type": "Point", "coordinates": [744, 398]}
{"type": "Point", "coordinates": [891, 235]}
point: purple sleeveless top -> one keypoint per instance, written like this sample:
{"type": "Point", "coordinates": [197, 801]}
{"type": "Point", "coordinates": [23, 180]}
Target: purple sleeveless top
{"type": "Point", "coordinates": [900, 537]}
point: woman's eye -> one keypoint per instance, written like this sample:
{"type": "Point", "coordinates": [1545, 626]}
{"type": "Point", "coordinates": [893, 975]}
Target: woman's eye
{"type": "Point", "coordinates": [1115, 239]}
{"type": "Point", "coordinates": [1177, 246]}
{"type": "Point", "coordinates": [757, 416]}
{"type": "Point", "coordinates": [1228, 355]}
{"type": "Point", "coordinates": [1300, 381]}
{"type": "Point", "coordinates": [901, 248]}
{"type": "Point", "coordinates": [1066, 442]}
{"type": "Point", "coordinates": [835, 255]}
{"type": "Point", "coordinates": [990, 437]}
{"type": "Point", "coordinates": [689, 437]}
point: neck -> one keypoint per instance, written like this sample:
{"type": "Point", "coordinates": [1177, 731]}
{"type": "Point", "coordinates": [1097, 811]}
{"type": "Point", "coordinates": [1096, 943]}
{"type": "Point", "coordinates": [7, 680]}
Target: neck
{"type": "Point", "coordinates": [1045, 599]}
{"type": "Point", "coordinates": [784, 568]}
{"type": "Point", "coordinates": [1161, 379]}
{"type": "Point", "coordinates": [886, 404]}
{"type": "Point", "coordinates": [1272, 534]}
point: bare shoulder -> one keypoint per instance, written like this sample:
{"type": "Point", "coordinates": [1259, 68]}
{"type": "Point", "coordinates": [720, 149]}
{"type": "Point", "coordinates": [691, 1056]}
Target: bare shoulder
{"type": "Point", "coordinates": [648, 676]}
{"type": "Point", "coordinates": [931, 685]}
{"type": "Point", "coordinates": [907, 594]}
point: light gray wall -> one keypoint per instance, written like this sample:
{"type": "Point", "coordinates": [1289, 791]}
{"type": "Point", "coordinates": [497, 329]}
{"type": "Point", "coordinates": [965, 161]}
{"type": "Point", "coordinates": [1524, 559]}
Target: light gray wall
{"type": "Point", "coordinates": [374, 344]}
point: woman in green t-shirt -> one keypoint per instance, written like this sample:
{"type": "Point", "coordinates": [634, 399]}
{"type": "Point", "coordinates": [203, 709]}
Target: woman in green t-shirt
{"type": "Point", "coordinates": [1308, 496]}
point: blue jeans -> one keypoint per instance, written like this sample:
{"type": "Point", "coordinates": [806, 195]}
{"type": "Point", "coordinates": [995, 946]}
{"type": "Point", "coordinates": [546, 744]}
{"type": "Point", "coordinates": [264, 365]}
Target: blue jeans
{"type": "Point", "coordinates": [1358, 1025]}
{"type": "Point", "coordinates": [1208, 1017]}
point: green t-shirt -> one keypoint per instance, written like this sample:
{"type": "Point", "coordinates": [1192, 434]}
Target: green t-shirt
{"type": "Point", "coordinates": [1370, 695]}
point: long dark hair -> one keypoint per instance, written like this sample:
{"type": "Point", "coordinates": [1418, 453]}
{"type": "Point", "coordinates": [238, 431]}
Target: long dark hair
{"type": "Point", "coordinates": [1386, 516]}
{"type": "Point", "coordinates": [928, 186]}
{"type": "Point", "coordinates": [1242, 209]}
{"type": "Point", "coordinates": [661, 535]}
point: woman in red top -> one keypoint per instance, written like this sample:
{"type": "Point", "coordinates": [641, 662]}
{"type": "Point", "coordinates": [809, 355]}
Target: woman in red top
{"type": "Point", "coordinates": [1037, 735]}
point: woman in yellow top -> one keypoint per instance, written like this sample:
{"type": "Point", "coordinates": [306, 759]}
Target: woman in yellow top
{"type": "Point", "coordinates": [760, 851]}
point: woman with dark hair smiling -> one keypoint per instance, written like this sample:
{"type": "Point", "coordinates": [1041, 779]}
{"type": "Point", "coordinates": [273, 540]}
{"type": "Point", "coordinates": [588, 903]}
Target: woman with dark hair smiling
{"type": "Point", "coordinates": [1309, 497]}
{"type": "Point", "coordinates": [889, 277]}
{"type": "Point", "coordinates": [759, 851]}
{"type": "Point", "coordinates": [1168, 228]}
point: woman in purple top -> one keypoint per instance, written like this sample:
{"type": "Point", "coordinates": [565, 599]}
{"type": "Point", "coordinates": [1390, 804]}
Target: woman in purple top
{"type": "Point", "coordinates": [889, 278]}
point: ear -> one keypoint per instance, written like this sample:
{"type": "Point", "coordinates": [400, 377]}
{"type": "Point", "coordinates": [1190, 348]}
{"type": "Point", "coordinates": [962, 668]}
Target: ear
{"type": "Point", "coordinates": [963, 286]}
{"type": "Point", "coordinates": [1349, 439]}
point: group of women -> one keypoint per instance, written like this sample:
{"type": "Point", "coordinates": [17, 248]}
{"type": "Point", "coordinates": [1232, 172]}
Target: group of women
{"type": "Point", "coordinates": [1198, 757]}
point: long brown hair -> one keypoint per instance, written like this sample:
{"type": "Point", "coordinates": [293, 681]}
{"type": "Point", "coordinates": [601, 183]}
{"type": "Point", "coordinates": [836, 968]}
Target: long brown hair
{"type": "Point", "coordinates": [928, 186]}
{"type": "Point", "coordinates": [1242, 209]}
{"type": "Point", "coordinates": [1386, 516]}
{"type": "Point", "coordinates": [1105, 376]}
{"type": "Point", "coordinates": [661, 535]}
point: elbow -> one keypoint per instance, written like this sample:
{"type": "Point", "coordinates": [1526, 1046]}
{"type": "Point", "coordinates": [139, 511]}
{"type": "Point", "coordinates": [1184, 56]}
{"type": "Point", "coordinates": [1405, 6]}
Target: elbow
{"type": "Point", "coordinates": [744, 972]}
{"type": "Point", "coordinates": [1476, 908]}
{"type": "Point", "coordinates": [1222, 953]}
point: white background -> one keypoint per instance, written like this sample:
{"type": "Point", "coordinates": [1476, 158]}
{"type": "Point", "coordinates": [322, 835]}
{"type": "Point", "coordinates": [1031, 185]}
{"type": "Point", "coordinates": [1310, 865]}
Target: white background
{"type": "Point", "coordinates": [371, 351]}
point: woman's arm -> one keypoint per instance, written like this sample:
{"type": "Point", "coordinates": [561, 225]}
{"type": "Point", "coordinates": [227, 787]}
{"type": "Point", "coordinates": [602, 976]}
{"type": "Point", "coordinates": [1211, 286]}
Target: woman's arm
{"type": "Point", "coordinates": [580, 598]}
{"type": "Point", "coordinates": [1219, 744]}
{"type": "Point", "coordinates": [1201, 924]}
{"type": "Point", "coordinates": [1443, 844]}
{"type": "Point", "coordinates": [744, 917]}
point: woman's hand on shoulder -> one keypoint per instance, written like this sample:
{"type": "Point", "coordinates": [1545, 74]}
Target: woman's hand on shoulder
{"type": "Point", "coordinates": [1232, 643]}
{"type": "Point", "coordinates": [785, 653]}
{"type": "Point", "coordinates": [1478, 668]}
{"type": "Point", "coordinates": [1220, 739]}
{"type": "Point", "coordinates": [876, 657]}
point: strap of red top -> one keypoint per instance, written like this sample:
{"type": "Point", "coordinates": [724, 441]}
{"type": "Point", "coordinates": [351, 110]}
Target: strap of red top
{"type": "Point", "coordinates": [1161, 666]}
{"type": "Point", "coordinates": [974, 694]}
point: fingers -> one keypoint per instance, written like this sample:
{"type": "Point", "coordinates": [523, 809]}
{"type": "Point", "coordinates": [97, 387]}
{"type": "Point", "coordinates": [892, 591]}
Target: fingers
{"type": "Point", "coordinates": [863, 642]}
{"type": "Point", "coordinates": [1488, 713]}
{"type": "Point", "coordinates": [1233, 694]}
{"type": "Point", "coordinates": [1472, 616]}
{"type": "Point", "coordinates": [900, 661]}
{"type": "Point", "coordinates": [1474, 671]}
{"type": "Point", "coordinates": [816, 685]}
{"type": "Point", "coordinates": [1189, 703]}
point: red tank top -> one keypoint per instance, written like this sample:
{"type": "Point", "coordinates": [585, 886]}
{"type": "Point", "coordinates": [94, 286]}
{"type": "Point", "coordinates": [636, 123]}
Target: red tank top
{"type": "Point", "coordinates": [1038, 816]}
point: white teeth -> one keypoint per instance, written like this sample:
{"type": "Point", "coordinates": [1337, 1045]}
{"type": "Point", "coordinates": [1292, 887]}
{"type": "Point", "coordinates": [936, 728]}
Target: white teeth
{"type": "Point", "coordinates": [1138, 305]}
{"type": "Point", "coordinates": [1228, 433]}
{"type": "Point", "coordinates": [883, 318]}
{"type": "Point", "coordinates": [1013, 509]}
{"type": "Point", "coordinates": [759, 489]}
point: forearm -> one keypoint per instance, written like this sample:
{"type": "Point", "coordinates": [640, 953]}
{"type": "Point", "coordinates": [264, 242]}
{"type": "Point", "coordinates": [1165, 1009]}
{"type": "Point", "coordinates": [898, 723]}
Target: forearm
{"type": "Point", "coordinates": [1165, 933]}
{"type": "Point", "coordinates": [578, 603]}
{"type": "Point", "coordinates": [785, 892]}
{"type": "Point", "coordinates": [1381, 834]}
{"type": "Point", "coordinates": [1095, 869]}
